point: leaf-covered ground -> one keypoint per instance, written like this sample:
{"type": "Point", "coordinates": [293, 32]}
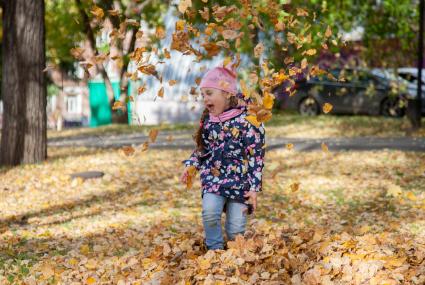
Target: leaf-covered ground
{"type": "Point", "coordinates": [355, 218]}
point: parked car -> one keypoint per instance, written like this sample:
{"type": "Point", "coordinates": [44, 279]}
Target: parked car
{"type": "Point", "coordinates": [411, 74]}
{"type": "Point", "coordinates": [406, 77]}
{"type": "Point", "coordinates": [355, 92]}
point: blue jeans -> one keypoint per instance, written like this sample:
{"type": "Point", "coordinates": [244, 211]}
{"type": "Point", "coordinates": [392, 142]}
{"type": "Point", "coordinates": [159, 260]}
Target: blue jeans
{"type": "Point", "coordinates": [212, 208]}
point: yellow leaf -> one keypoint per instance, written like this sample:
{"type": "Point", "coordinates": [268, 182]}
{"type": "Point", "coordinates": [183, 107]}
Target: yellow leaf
{"type": "Point", "coordinates": [97, 12]}
{"type": "Point", "coordinates": [180, 25]}
{"type": "Point", "coordinates": [264, 115]}
{"type": "Point", "coordinates": [235, 132]}
{"type": "Point", "coordinates": [268, 100]}
{"type": "Point", "coordinates": [324, 147]}
{"type": "Point", "coordinates": [73, 261]}
{"type": "Point", "coordinates": [48, 271]}
{"type": "Point", "coordinates": [310, 51]}
{"type": "Point", "coordinates": [295, 186]}
{"type": "Point", "coordinates": [328, 32]}
{"type": "Point", "coordinates": [393, 191]}
{"type": "Point", "coordinates": [227, 60]}
{"type": "Point", "coordinates": [118, 105]}
{"type": "Point", "coordinates": [90, 280]}
{"type": "Point", "coordinates": [350, 244]}
{"type": "Point", "coordinates": [204, 264]}
{"type": "Point", "coordinates": [289, 146]}
{"type": "Point", "coordinates": [161, 92]}
{"type": "Point", "coordinates": [85, 249]}
{"type": "Point", "coordinates": [327, 108]}
{"type": "Point", "coordinates": [304, 63]}
{"type": "Point", "coordinates": [91, 264]}
{"type": "Point", "coordinates": [160, 33]}
{"type": "Point", "coordinates": [153, 134]}
{"type": "Point", "coordinates": [253, 120]}
{"type": "Point", "coordinates": [411, 196]}
{"type": "Point", "coordinates": [172, 82]}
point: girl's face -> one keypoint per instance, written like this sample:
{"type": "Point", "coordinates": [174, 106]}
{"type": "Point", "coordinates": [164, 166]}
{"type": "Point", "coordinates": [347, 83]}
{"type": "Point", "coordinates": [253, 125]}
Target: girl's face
{"type": "Point", "coordinates": [215, 100]}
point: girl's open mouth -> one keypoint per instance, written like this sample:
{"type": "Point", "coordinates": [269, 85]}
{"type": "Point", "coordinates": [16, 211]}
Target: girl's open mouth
{"type": "Point", "coordinates": [210, 107]}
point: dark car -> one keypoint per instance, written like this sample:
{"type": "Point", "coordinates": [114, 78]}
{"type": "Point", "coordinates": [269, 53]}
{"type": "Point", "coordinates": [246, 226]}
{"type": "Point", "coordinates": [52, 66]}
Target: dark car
{"type": "Point", "coordinates": [349, 91]}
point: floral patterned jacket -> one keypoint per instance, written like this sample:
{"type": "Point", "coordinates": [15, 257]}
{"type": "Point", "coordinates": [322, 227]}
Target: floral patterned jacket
{"type": "Point", "coordinates": [233, 159]}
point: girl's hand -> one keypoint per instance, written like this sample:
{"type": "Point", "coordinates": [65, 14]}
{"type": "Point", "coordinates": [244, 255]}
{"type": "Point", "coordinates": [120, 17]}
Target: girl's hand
{"type": "Point", "coordinates": [183, 178]}
{"type": "Point", "coordinates": [252, 198]}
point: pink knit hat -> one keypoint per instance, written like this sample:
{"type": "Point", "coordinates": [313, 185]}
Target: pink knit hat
{"type": "Point", "coordinates": [222, 78]}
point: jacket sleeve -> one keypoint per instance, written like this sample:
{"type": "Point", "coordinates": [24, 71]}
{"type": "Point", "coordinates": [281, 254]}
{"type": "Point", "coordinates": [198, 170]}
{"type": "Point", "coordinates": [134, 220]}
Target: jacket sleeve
{"type": "Point", "coordinates": [194, 160]}
{"type": "Point", "coordinates": [254, 149]}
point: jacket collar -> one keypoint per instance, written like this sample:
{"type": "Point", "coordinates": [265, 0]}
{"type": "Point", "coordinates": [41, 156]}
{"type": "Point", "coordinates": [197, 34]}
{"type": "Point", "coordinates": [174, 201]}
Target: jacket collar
{"type": "Point", "coordinates": [226, 115]}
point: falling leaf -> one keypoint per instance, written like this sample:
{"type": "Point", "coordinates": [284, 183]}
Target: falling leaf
{"type": "Point", "coordinates": [77, 53]}
{"type": "Point", "coordinates": [148, 69]}
{"type": "Point", "coordinates": [253, 120]}
{"type": "Point", "coordinates": [160, 32]}
{"type": "Point", "coordinates": [304, 63]}
{"type": "Point", "coordinates": [230, 34]}
{"type": "Point", "coordinates": [327, 108]}
{"type": "Point", "coordinates": [118, 105]}
{"type": "Point", "coordinates": [268, 100]}
{"type": "Point", "coordinates": [97, 12]}
{"type": "Point", "coordinates": [324, 147]}
{"type": "Point", "coordinates": [161, 92]}
{"type": "Point", "coordinates": [128, 150]}
{"type": "Point", "coordinates": [258, 50]}
{"type": "Point", "coordinates": [198, 80]}
{"type": "Point", "coordinates": [205, 14]}
{"type": "Point", "coordinates": [153, 135]}
{"type": "Point", "coordinates": [172, 82]}
{"type": "Point", "coordinates": [310, 52]}
{"type": "Point", "coordinates": [328, 32]}
{"type": "Point", "coordinates": [184, 5]}
{"type": "Point", "coordinates": [288, 60]}
{"type": "Point", "coordinates": [180, 25]}
{"type": "Point", "coordinates": [289, 146]}
{"type": "Point", "coordinates": [141, 89]}
{"type": "Point", "coordinates": [301, 12]}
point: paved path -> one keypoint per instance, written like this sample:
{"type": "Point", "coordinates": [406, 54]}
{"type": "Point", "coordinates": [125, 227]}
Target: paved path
{"type": "Point", "coordinates": [183, 140]}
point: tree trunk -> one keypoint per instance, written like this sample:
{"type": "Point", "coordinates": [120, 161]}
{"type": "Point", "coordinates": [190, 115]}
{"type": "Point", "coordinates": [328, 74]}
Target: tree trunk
{"type": "Point", "coordinates": [23, 87]}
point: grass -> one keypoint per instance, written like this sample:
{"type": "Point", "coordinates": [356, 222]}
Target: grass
{"type": "Point", "coordinates": [282, 124]}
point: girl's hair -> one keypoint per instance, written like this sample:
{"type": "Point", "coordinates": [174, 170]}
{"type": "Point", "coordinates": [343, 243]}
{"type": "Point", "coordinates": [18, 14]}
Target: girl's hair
{"type": "Point", "coordinates": [198, 134]}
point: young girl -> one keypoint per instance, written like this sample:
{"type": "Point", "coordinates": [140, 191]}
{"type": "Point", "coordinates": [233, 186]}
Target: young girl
{"type": "Point", "coordinates": [229, 155]}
